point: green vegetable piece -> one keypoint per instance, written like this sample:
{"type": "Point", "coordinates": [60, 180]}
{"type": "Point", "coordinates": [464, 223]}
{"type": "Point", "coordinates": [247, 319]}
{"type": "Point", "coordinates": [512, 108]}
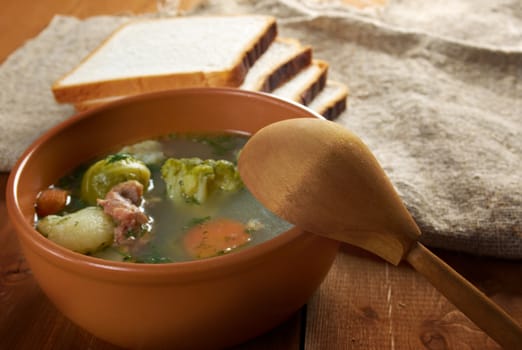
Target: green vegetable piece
{"type": "Point", "coordinates": [108, 172]}
{"type": "Point", "coordinates": [192, 180]}
{"type": "Point", "coordinates": [227, 176]}
{"type": "Point", "coordinates": [187, 179]}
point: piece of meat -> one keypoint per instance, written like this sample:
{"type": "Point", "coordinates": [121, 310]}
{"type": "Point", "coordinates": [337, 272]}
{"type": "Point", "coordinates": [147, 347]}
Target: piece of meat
{"type": "Point", "coordinates": [121, 203]}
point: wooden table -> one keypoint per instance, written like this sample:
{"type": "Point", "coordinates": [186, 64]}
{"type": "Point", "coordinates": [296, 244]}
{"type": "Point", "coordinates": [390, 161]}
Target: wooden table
{"type": "Point", "coordinates": [364, 303]}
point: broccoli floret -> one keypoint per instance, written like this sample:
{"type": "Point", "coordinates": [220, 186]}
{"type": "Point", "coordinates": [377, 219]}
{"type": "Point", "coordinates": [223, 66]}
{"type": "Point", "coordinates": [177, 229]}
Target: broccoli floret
{"type": "Point", "coordinates": [227, 177]}
{"type": "Point", "coordinates": [193, 180]}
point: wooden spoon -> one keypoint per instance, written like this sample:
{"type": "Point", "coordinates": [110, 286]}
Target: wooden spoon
{"type": "Point", "coordinates": [321, 177]}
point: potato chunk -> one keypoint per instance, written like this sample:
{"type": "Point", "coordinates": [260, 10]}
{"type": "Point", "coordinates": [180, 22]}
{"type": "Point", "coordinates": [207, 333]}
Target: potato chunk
{"type": "Point", "coordinates": [85, 231]}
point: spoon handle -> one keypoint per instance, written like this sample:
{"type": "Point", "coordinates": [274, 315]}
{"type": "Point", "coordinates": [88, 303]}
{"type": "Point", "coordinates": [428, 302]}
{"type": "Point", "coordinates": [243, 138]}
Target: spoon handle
{"type": "Point", "coordinates": [466, 297]}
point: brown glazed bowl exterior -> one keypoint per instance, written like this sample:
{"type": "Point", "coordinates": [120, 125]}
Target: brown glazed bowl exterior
{"type": "Point", "coordinates": [210, 303]}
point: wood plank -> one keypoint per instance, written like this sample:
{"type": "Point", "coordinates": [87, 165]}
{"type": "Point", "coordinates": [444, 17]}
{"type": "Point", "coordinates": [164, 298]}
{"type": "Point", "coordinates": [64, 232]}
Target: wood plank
{"type": "Point", "coordinates": [24, 19]}
{"type": "Point", "coordinates": [366, 303]}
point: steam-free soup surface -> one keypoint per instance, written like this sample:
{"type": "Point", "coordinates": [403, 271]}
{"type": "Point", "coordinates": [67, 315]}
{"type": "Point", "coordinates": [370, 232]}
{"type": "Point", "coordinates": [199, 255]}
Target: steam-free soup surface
{"type": "Point", "coordinates": [178, 227]}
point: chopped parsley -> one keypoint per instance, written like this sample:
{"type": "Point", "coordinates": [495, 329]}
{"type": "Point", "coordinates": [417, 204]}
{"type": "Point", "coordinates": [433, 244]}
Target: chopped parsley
{"type": "Point", "coordinates": [113, 158]}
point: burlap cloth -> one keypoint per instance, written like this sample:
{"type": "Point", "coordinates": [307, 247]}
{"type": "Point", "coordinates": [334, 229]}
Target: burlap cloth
{"type": "Point", "coordinates": [436, 92]}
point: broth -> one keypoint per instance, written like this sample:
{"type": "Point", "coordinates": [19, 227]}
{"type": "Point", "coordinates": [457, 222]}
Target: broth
{"type": "Point", "coordinates": [171, 225]}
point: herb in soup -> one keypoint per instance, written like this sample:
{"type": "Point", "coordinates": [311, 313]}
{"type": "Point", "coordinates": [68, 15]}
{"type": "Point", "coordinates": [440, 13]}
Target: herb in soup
{"type": "Point", "coordinates": [174, 198]}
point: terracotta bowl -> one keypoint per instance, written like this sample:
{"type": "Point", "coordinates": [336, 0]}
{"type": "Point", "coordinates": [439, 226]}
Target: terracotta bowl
{"type": "Point", "coordinates": [210, 303]}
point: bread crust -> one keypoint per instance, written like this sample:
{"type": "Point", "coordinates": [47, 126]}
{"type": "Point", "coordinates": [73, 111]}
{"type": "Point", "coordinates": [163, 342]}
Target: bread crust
{"type": "Point", "coordinates": [232, 77]}
{"type": "Point", "coordinates": [257, 48]}
{"type": "Point", "coordinates": [335, 110]}
{"type": "Point", "coordinates": [286, 71]}
{"type": "Point", "coordinates": [317, 86]}
{"type": "Point", "coordinates": [337, 104]}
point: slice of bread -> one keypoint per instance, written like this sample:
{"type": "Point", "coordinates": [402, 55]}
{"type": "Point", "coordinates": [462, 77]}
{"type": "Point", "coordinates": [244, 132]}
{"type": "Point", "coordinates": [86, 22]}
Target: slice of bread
{"type": "Point", "coordinates": [305, 85]}
{"type": "Point", "coordinates": [284, 58]}
{"type": "Point", "coordinates": [331, 101]}
{"type": "Point", "coordinates": [159, 54]}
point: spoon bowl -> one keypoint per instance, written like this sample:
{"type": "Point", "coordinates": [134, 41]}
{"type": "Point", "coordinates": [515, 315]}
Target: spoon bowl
{"type": "Point", "coordinates": [321, 177]}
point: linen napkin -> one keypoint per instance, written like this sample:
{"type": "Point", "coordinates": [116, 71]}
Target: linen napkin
{"type": "Point", "coordinates": [436, 93]}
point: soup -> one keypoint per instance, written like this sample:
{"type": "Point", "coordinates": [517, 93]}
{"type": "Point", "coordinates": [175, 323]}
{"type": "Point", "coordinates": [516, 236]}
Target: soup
{"type": "Point", "coordinates": [175, 198]}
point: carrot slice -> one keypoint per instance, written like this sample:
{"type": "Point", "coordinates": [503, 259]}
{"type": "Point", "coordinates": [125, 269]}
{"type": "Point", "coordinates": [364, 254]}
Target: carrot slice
{"type": "Point", "coordinates": [51, 201]}
{"type": "Point", "coordinates": [215, 237]}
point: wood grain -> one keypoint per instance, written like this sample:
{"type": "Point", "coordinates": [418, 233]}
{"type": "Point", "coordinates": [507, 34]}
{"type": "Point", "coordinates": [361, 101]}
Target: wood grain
{"type": "Point", "coordinates": [366, 303]}
{"type": "Point", "coordinates": [480, 309]}
{"type": "Point", "coordinates": [23, 19]}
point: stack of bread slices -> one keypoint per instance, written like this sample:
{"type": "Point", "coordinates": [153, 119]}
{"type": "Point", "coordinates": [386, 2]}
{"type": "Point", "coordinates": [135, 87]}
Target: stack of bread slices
{"type": "Point", "coordinates": [241, 51]}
